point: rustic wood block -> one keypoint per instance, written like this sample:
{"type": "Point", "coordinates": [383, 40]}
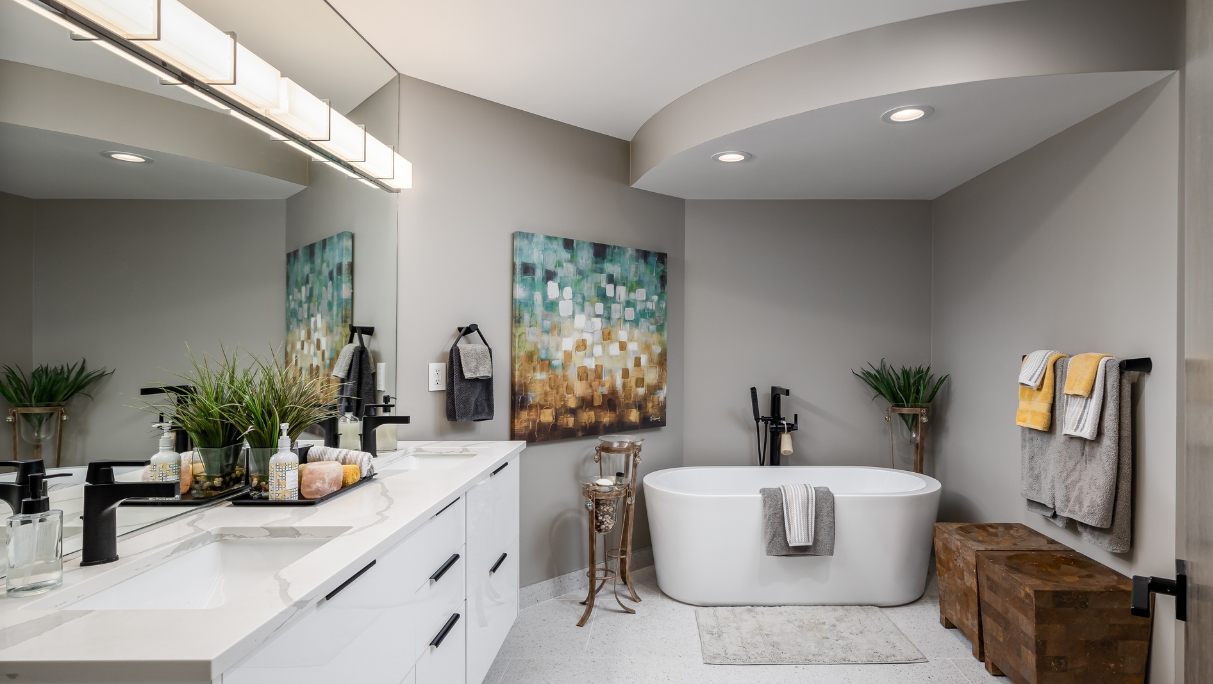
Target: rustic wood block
{"type": "Point", "coordinates": [1058, 617]}
{"type": "Point", "coordinates": [956, 547]}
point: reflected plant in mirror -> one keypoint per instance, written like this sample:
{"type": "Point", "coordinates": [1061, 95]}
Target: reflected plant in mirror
{"type": "Point", "coordinates": [273, 392]}
{"type": "Point", "coordinates": [202, 407]}
{"type": "Point", "coordinates": [45, 387]}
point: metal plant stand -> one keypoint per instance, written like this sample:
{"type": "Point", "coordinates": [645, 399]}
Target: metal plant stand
{"type": "Point", "coordinates": [60, 415]}
{"type": "Point", "coordinates": [605, 504]}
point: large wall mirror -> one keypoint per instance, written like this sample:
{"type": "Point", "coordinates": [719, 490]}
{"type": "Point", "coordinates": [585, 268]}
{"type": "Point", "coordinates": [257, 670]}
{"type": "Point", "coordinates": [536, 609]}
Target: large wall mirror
{"type": "Point", "coordinates": [132, 265]}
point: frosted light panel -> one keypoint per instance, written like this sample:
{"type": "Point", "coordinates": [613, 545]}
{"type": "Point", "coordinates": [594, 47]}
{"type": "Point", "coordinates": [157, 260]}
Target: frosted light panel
{"type": "Point", "coordinates": [347, 140]}
{"type": "Point", "coordinates": [378, 159]}
{"type": "Point", "coordinates": [256, 80]}
{"type": "Point", "coordinates": [128, 18]}
{"type": "Point", "coordinates": [403, 180]}
{"type": "Point", "coordinates": [191, 43]}
{"type": "Point", "coordinates": [300, 111]}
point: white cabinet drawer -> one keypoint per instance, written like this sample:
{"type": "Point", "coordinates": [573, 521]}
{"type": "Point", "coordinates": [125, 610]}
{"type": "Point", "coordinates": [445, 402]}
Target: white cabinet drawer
{"type": "Point", "coordinates": [436, 600]}
{"type": "Point", "coordinates": [425, 550]}
{"type": "Point", "coordinates": [492, 542]}
{"type": "Point", "coordinates": [444, 663]}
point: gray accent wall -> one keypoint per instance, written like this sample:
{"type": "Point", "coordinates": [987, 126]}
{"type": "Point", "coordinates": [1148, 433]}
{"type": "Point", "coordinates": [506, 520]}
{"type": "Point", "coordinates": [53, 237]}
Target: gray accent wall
{"type": "Point", "coordinates": [17, 222]}
{"type": "Point", "coordinates": [128, 284]}
{"type": "Point", "coordinates": [484, 171]}
{"type": "Point", "coordinates": [795, 294]}
{"type": "Point", "coordinates": [1073, 245]}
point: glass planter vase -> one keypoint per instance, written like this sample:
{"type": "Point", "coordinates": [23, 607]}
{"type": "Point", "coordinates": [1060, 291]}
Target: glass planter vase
{"type": "Point", "coordinates": [216, 470]}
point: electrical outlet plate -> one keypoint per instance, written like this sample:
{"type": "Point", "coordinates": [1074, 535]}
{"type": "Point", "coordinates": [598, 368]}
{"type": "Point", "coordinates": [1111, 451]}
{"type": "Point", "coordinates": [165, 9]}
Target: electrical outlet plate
{"type": "Point", "coordinates": [437, 377]}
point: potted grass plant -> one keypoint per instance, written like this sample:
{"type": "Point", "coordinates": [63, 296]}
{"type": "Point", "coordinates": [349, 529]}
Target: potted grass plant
{"type": "Point", "coordinates": [271, 393]}
{"type": "Point", "coordinates": [202, 407]}
{"type": "Point", "coordinates": [903, 388]}
{"type": "Point", "coordinates": [45, 387]}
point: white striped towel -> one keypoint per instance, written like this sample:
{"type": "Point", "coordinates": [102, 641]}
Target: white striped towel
{"type": "Point", "coordinates": [1082, 413]}
{"type": "Point", "coordinates": [798, 507]}
{"type": "Point", "coordinates": [343, 456]}
{"type": "Point", "coordinates": [1032, 372]}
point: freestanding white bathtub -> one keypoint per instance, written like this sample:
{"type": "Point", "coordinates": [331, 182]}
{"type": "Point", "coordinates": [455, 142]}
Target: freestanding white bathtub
{"type": "Point", "coordinates": [708, 543]}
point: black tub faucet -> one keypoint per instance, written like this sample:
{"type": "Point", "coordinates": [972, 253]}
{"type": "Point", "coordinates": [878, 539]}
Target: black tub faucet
{"type": "Point", "coordinates": [370, 422]}
{"type": "Point", "coordinates": [14, 492]}
{"type": "Point", "coordinates": [101, 498]}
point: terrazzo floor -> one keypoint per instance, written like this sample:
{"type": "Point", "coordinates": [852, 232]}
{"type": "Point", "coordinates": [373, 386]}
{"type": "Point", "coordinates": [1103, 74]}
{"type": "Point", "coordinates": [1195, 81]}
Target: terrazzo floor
{"type": "Point", "coordinates": [661, 644]}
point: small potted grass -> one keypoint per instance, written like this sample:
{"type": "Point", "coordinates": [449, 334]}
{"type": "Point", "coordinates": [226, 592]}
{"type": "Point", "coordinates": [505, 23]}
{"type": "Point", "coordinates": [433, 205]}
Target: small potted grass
{"type": "Point", "coordinates": [903, 388]}
{"type": "Point", "coordinates": [45, 387]}
{"type": "Point", "coordinates": [270, 394]}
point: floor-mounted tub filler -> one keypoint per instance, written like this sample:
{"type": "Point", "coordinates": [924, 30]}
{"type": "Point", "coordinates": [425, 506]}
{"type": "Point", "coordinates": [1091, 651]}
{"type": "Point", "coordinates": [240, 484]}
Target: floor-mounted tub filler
{"type": "Point", "coordinates": [706, 525]}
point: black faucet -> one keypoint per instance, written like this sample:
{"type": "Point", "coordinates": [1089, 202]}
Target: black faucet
{"type": "Point", "coordinates": [13, 493]}
{"type": "Point", "coordinates": [370, 422]}
{"type": "Point", "coordinates": [101, 498]}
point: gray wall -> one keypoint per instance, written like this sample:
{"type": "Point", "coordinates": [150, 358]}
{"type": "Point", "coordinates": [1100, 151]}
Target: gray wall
{"type": "Point", "coordinates": [1072, 245]}
{"type": "Point", "coordinates": [17, 220]}
{"type": "Point", "coordinates": [797, 293]}
{"type": "Point", "coordinates": [483, 172]}
{"type": "Point", "coordinates": [128, 283]}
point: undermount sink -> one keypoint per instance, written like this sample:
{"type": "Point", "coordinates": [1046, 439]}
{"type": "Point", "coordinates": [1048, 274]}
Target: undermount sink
{"type": "Point", "coordinates": [206, 577]}
{"type": "Point", "coordinates": [433, 458]}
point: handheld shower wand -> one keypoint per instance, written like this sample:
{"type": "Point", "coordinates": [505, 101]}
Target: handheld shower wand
{"type": "Point", "coordinates": [778, 428]}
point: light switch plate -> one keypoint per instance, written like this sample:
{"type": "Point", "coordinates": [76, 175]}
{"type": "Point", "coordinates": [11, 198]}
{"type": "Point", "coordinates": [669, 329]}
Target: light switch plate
{"type": "Point", "coordinates": [437, 377]}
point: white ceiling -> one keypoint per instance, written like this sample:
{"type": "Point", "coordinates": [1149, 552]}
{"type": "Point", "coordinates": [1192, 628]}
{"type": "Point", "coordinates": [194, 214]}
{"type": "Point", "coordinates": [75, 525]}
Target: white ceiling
{"type": "Point", "coordinates": [848, 152]}
{"type": "Point", "coordinates": [304, 39]}
{"type": "Point", "coordinates": [604, 66]}
{"type": "Point", "coordinates": [48, 165]}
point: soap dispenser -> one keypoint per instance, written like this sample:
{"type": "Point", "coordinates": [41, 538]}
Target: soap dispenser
{"type": "Point", "coordinates": [284, 470]}
{"type": "Point", "coordinates": [34, 549]}
{"type": "Point", "coordinates": [166, 463]}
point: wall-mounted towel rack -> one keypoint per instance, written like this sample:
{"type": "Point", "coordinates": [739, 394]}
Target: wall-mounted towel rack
{"type": "Point", "coordinates": [360, 330]}
{"type": "Point", "coordinates": [1141, 365]}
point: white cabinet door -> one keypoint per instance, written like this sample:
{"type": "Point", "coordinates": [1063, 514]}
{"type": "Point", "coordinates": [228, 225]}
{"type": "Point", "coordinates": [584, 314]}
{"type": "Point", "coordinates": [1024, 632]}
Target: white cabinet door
{"type": "Point", "coordinates": [442, 661]}
{"type": "Point", "coordinates": [492, 568]}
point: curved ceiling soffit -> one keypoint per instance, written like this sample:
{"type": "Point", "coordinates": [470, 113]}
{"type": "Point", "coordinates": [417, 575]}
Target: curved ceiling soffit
{"type": "Point", "coordinates": [1028, 38]}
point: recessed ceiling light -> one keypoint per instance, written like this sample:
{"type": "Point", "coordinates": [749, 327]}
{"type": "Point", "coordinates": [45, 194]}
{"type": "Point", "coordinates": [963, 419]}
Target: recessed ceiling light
{"type": "Point", "coordinates": [732, 157]}
{"type": "Point", "coordinates": [126, 157]}
{"type": "Point", "coordinates": [907, 113]}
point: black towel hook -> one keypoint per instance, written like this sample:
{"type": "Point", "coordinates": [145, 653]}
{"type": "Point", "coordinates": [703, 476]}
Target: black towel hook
{"type": "Point", "coordinates": [360, 330]}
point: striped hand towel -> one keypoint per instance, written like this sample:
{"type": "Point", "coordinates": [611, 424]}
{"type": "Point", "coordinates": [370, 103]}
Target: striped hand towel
{"type": "Point", "coordinates": [1082, 413]}
{"type": "Point", "coordinates": [1032, 372]}
{"type": "Point", "coordinates": [1036, 405]}
{"type": "Point", "coordinates": [798, 506]}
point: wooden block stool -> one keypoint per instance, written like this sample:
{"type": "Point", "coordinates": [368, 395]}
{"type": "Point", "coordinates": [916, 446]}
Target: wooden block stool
{"type": "Point", "coordinates": [1058, 617]}
{"type": "Point", "coordinates": [956, 547]}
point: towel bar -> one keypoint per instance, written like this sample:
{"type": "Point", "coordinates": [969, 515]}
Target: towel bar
{"type": "Point", "coordinates": [1142, 365]}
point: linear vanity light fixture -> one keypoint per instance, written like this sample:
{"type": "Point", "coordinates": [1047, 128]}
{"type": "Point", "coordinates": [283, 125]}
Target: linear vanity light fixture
{"type": "Point", "coordinates": [182, 49]}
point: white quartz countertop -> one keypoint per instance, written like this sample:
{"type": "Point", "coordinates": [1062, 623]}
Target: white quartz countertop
{"type": "Point", "coordinates": [43, 639]}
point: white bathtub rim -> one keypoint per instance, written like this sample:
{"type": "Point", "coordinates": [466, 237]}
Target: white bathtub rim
{"type": "Point", "coordinates": [931, 485]}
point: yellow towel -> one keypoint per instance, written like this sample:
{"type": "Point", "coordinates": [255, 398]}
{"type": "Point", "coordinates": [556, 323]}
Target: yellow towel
{"type": "Point", "coordinates": [1080, 378]}
{"type": "Point", "coordinates": [1036, 405]}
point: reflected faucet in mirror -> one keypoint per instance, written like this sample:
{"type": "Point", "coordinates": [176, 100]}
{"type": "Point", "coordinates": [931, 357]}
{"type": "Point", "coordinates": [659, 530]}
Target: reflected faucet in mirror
{"type": "Point", "coordinates": [14, 492]}
{"type": "Point", "coordinates": [101, 498]}
{"type": "Point", "coordinates": [370, 422]}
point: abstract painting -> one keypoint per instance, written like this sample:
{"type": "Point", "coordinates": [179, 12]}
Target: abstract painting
{"type": "Point", "coordinates": [589, 338]}
{"type": "Point", "coordinates": [319, 302]}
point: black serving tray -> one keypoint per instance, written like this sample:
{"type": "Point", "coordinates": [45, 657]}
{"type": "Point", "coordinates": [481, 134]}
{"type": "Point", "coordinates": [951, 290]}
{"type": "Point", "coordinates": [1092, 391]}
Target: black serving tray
{"type": "Point", "coordinates": [187, 499]}
{"type": "Point", "coordinates": [245, 500]}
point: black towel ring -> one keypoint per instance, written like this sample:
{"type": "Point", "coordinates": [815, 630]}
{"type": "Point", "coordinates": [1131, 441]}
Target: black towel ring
{"type": "Point", "coordinates": [465, 331]}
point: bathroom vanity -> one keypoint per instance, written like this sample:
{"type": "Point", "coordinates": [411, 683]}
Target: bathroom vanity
{"type": "Point", "coordinates": [412, 577]}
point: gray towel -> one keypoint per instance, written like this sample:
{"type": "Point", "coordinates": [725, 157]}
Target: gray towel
{"type": "Point", "coordinates": [476, 361]}
{"type": "Point", "coordinates": [467, 399]}
{"type": "Point", "coordinates": [773, 527]}
{"type": "Point", "coordinates": [1089, 481]}
{"type": "Point", "coordinates": [341, 368]}
{"type": "Point", "coordinates": [358, 390]}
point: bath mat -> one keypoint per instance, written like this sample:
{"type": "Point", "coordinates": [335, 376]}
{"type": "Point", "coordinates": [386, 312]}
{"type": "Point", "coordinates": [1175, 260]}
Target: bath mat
{"type": "Point", "coordinates": [801, 635]}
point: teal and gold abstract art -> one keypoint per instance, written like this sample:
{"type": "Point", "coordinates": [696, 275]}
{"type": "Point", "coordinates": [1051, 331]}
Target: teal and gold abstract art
{"type": "Point", "coordinates": [589, 338]}
{"type": "Point", "coordinates": [319, 302]}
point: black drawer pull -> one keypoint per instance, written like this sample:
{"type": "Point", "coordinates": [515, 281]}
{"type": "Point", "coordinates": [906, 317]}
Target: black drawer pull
{"type": "Point", "coordinates": [503, 465]}
{"type": "Point", "coordinates": [348, 582]}
{"type": "Point", "coordinates": [444, 508]}
{"type": "Point", "coordinates": [445, 566]}
{"type": "Point", "coordinates": [446, 629]}
{"type": "Point", "coordinates": [497, 564]}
